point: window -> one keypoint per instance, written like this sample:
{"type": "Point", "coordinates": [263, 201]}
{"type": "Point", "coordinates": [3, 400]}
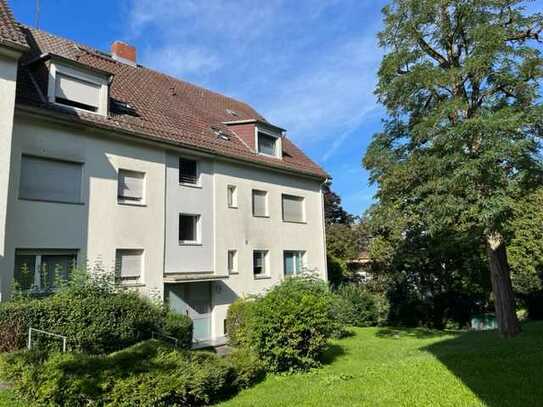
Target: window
{"type": "Point", "coordinates": [129, 265]}
{"type": "Point", "coordinates": [293, 262]}
{"type": "Point", "coordinates": [260, 258]}
{"type": "Point", "coordinates": [293, 208]}
{"type": "Point", "coordinates": [47, 179]}
{"type": "Point", "coordinates": [131, 186]}
{"type": "Point", "coordinates": [232, 195]}
{"type": "Point", "coordinates": [267, 144]}
{"type": "Point", "coordinates": [76, 92]}
{"type": "Point", "coordinates": [188, 171]}
{"type": "Point", "coordinates": [232, 261]}
{"type": "Point", "coordinates": [43, 270]}
{"type": "Point", "coordinates": [260, 203]}
{"type": "Point", "coordinates": [188, 228]}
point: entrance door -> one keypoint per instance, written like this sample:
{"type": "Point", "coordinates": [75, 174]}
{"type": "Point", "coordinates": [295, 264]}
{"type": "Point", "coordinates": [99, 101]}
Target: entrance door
{"type": "Point", "coordinates": [193, 300]}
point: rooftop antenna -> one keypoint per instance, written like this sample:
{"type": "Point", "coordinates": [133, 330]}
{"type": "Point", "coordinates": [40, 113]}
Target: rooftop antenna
{"type": "Point", "coordinates": [37, 15]}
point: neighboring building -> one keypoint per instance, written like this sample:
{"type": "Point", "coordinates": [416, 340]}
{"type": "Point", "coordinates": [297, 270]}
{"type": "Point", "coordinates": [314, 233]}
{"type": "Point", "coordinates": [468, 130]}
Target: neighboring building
{"type": "Point", "coordinates": [191, 196]}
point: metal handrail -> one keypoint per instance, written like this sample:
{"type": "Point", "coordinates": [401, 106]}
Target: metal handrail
{"type": "Point", "coordinates": [30, 329]}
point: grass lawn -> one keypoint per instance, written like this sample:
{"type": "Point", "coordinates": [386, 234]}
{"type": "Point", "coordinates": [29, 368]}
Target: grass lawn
{"type": "Point", "coordinates": [386, 367]}
{"type": "Point", "coordinates": [409, 367]}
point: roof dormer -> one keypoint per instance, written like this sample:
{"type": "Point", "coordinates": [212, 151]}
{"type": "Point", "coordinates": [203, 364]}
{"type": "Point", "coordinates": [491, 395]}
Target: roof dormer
{"type": "Point", "coordinates": [264, 138]}
{"type": "Point", "coordinates": [75, 87]}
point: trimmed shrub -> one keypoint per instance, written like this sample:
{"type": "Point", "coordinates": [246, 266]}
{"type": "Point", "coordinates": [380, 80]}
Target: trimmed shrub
{"type": "Point", "coordinates": [94, 319]}
{"type": "Point", "coordinates": [247, 367]}
{"type": "Point", "coordinates": [179, 327]}
{"type": "Point", "coordinates": [237, 320]}
{"type": "Point", "coordinates": [289, 327]}
{"type": "Point", "coordinates": [147, 374]}
{"type": "Point", "coordinates": [357, 306]}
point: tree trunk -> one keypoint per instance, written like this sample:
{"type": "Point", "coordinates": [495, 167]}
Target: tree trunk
{"type": "Point", "coordinates": [500, 276]}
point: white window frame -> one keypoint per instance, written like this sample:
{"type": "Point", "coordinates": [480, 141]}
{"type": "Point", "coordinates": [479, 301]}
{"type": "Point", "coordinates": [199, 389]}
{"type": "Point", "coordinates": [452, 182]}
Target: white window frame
{"type": "Point", "coordinates": [38, 254]}
{"type": "Point", "coordinates": [127, 201]}
{"type": "Point", "coordinates": [266, 264]}
{"type": "Point", "coordinates": [278, 142]}
{"type": "Point", "coordinates": [82, 75]}
{"type": "Point", "coordinates": [267, 203]}
{"type": "Point", "coordinates": [234, 269]}
{"type": "Point", "coordinates": [79, 201]}
{"type": "Point", "coordinates": [302, 254]}
{"type": "Point", "coordinates": [232, 192]}
{"type": "Point", "coordinates": [197, 184]}
{"type": "Point", "coordinates": [300, 198]}
{"type": "Point", "coordinates": [197, 229]}
{"type": "Point", "coordinates": [130, 281]}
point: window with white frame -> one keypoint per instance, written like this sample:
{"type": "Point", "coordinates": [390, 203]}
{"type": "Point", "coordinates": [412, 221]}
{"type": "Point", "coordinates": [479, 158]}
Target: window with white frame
{"type": "Point", "coordinates": [43, 270]}
{"type": "Point", "coordinates": [131, 187]}
{"type": "Point", "coordinates": [189, 228]}
{"type": "Point", "coordinates": [260, 203]}
{"type": "Point", "coordinates": [293, 208]}
{"type": "Point", "coordinates": [129, 265]}
{"type": "Point", "coordinates": [293, 262]}
{"type": "Point", "coordinates": [188, 171]}
{"type": "Point", "coordinates": [260, 263]}
{"type": "Point", "coordinates": [267, 144]}
{"type": "Point", "coordinates": [232, 196]}
{"type": "Point", "coordinates": [79, 88]}
{"type": "Point", "coordinates": [232, 261]}
{"type": "Point", "coordinates": [46, 179]}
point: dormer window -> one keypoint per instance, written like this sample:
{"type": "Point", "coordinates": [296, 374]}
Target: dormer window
{"type": "Point", "coordinates": [78, 88]}
{"type": "Point", "coordinates": [268, 144]}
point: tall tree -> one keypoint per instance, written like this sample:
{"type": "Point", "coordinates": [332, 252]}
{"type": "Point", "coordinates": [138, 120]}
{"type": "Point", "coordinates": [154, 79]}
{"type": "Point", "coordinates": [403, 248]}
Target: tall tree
{"type": "Point", "coordinates": [333, 211]}
{"type": "Point", "coordinates": [460, 81]}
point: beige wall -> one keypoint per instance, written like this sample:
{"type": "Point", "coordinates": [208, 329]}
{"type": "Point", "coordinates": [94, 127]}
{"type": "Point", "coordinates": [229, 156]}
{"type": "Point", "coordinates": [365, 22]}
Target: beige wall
{"type": "Point", "coordinates": [100, 225]}
{"type": "Point", "coordinates": [8, 80]}
{"type": "Point", "coordinates": [238, 229]}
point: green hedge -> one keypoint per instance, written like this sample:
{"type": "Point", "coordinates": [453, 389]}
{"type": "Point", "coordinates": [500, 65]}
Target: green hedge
{"type": "Point", "coordinates": [95, 320]}
{"type": "Point", "coordinates": [357, 306]}
{"type": "Point", "coordinates": [289, 327]}
{"type": "Point", "coordinates": [150, 373]}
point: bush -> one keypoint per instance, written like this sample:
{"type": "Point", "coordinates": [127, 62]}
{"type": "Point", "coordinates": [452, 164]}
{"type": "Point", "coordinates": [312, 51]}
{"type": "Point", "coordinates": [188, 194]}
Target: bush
{"type": "Point", "coordinates": [95, 320]}
{"type": "Point", "coordinates": [337, 271]}
{"type": "Point", "coordinates": [289, 327]}
{"type": "Point", "coordinates": [147, 374]}
{"type": "Point", "coordinates": [179, 327]}
{"type": "Point", "coordinates": [247, 367]}
{"type": "Point", "coordinates": [237, 320]}
{"type": "Point", "coordinates": [357, 306]}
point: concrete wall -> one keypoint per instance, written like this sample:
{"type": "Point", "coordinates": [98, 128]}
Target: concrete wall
{"type": "Point", "coordinates": [100, 225]}
{"type": "Point", "coordinates": [8, 80]}
{"type": "Point", "coordinates": [238, 229]}
{"type": "Point", "coordinates": [194, 200]}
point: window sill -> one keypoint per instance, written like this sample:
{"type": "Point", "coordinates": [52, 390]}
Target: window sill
{"type": "Point", "coordinates": [132, 285]}
{"type": "Point", "coordinates": [130, 203]}
{"type": "Point", "coordinates": [184, 184]}
{"type": "Point", "coordinates": [232, 207]}
{"type": "Point", "coordinates": [295, 222]}
{"type": "Point", "coordinates": [270, 156]}
{"type": "Point", "coordinates": [233, 273]}
{"type": "Point", "coordinates": [183, 243]}
{"type": "Point", "coordinates": [78, 109]}
{"type": "Point", "coordinates": [262, 277]}
{"type": "Point", "coordinates": [261, 216]}
{"type": "Point", "coordinates": [50, 201]}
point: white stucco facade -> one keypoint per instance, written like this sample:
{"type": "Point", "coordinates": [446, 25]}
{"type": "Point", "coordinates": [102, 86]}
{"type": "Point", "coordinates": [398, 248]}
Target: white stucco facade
{"type": "Point", "coordinates": [99, 225]}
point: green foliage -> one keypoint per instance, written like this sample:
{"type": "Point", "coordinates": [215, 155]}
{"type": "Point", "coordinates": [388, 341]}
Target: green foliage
{"type": "Point", "coordinates": [333, 211]}
{"type": "Point", "coordinates": [237, 321]}
{"type": "Point", "coordinates": [346, 241]}
{"type": "Point", "coordinates": [179, 327]}
{"type": "Point", "coordinates": [94, 316]}
{"type": "Point", "coordinates": [247, 367]}
{"type": "Point", "coordinates": [147, 374]}
{"type": "Point", "coordinates": [289, 327]}
{"type": "Point", "coordinates": [338, 271]}
{"type": "Point", "coordinates": [357, 306]}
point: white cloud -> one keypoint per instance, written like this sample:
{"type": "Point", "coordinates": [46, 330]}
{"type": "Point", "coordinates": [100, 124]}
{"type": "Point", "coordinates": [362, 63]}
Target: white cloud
{"type": "Point", "coordinates": [179, 61]}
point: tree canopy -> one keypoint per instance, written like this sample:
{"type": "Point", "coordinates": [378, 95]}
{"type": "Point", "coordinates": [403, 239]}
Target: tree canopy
{"type": "Point", "coordinates": [461, 143]}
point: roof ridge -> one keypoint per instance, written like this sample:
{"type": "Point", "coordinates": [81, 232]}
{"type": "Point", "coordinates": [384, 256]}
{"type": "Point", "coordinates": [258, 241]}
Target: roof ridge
{"type": "Point", "coordinates": [10, 33]}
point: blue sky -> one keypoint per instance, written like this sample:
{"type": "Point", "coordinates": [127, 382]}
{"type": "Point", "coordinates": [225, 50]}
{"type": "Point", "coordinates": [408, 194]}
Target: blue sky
{"type": "Point", "coordinates": [307, 65]}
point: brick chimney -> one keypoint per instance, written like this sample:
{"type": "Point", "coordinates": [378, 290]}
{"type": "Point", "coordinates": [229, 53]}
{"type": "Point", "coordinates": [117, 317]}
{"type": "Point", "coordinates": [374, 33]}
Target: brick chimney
{"type": "Point", "coordinates": [122, 52]}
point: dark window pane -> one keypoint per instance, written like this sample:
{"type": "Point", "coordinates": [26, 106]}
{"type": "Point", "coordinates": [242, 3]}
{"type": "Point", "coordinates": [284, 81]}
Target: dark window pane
{"type": "Point", "coordinates": [25, 266]}
{"type": "Point", "coordinates": [266, 144]}
{"type": "Point", "coordinates": [187, 228]}
{"type": "Point", "coordinates": [56, 268]}
{"type": "Point", "coordinates": [188, 172]}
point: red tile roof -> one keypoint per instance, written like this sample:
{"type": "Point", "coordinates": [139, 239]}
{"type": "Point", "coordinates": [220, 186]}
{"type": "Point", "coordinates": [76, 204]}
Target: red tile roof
{"type": "Point", "coordinates": [10, 35]}
{"type": "Point", "coordinates": [166, 109]}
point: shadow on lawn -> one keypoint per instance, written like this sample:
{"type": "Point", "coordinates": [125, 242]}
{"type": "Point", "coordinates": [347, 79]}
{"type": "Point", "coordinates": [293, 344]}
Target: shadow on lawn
{"type": "Point", "coordinates": [501, 372]}
{"type": "Point", "coordinates": [419, 333]}
{"type": "Point", "coordinates": [331, 353]}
